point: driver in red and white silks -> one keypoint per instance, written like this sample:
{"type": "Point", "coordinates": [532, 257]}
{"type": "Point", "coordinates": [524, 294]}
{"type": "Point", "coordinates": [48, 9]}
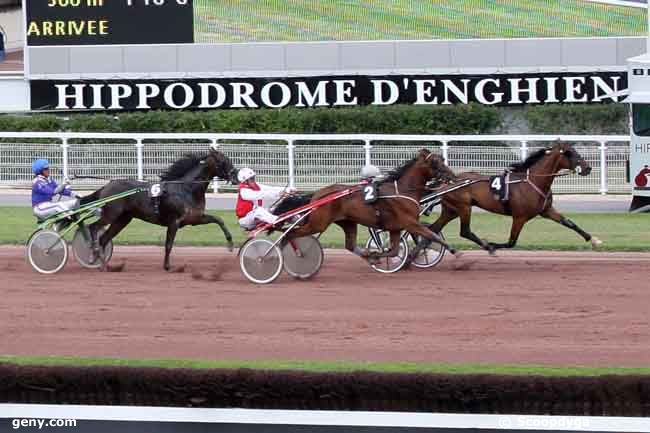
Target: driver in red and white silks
{"type": "Point", "coordinates": [250, 208]}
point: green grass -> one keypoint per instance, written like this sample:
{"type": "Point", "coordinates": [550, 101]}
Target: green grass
{"type": "Point", "coordinates": [334, 366]}
{"type": "Point", "coordinates": [620, 232]}
{"type": "Point", "coordinates": [308, 20]}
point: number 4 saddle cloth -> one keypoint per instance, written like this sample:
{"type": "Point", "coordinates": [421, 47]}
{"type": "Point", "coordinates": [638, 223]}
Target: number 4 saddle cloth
{"type": "Point", "coordinates": [500, 186]}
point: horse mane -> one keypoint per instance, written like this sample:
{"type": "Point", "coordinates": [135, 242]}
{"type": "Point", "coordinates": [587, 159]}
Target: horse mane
{"type": "Point", "coordinates": [180, 167]}
{"type": "Point", "coordinates": [528, 162]}
{"type": "Point", "coordinates": [398, 172]}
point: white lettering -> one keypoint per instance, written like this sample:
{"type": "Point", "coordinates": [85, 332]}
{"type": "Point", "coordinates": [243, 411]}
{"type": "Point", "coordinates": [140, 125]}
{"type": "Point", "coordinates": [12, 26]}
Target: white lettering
{"type": "Point", "coordinates": [309, 97]}
{"type": "Point", "coordinates": [574, 87]}
{"type": "Point", "coordinates": [188, 93]}
{"type": "Point", "coordinates": [479, 91]}
{"type": "Point", "coordinates": [118, 92]}
{"type": "Point", "coordinates": [266, 95]}
{"type": "Point", "coordinates": [600, 84]}
{"type": "Point", "coordinates": [145, 92]}
{"type": "Point", "coordinates": [77, 96]}
{"type": "Point", "coordinates": [378, 87]}
{"type": "Point", "coordinates": [242, 94]}
{"type": "Point", "coordinates": [550, 89]}
{"type": "Point", "coordinates": [516, 90]}
{"type": "Point", "coordinates": [344, 92]}
{"type": "Point", "coordinates": [205, 95]}
{"type": "Point", "coordinates": [423, 89]}
{"type": "Point", "coordinates": [461, 94]}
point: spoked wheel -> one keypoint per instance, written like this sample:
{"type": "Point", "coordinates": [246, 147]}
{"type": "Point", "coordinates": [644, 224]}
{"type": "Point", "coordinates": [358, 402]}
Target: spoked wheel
{"type": "Point", "coordinates": [303, 257]}
{"type": "Point", "coordinates": [388, 265]}
{"type": "Point", "coordinates": [429, 256]}
{"type": "Point", "coordinates": [260, 261]}
{"type": "Point", "coordinates": [47, 251]}
{"type": "Point", "coordinates": [82, 249]}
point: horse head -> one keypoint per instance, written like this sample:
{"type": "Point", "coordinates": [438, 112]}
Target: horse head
{"type": "Point", "coordinates": [219, 165]}
{"type": "Point", "coordinates": [570, 159]}
{"type": "Point", "coordinates": [434, 166]}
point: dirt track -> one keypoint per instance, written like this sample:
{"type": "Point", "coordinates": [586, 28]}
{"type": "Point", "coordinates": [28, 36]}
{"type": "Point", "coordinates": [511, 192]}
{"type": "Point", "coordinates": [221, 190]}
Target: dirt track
{"type": "Point", "coordinates": [522, 307]}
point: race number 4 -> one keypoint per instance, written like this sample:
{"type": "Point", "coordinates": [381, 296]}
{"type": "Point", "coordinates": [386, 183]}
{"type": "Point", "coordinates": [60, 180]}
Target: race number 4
{"type": "Point", "coordinates": [496, 184]}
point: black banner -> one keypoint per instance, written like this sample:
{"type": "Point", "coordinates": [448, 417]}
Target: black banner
{"type": "Point", "coordinates": [327, 91]}
{"type": "Point", "coordinates": [100, 22]}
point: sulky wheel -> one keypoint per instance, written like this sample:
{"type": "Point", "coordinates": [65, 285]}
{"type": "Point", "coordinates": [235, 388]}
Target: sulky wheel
{"type": "Point", "coordinates": [303, 257]}
{"type": "Point", "coordinates": [82, 249]}
{"type": "Point", "coordinates": [388, 265]}
{"type": "Point", "coordinates": [429, 256]}
{"type": "Point", "coordinates": [260, 260]}
{"type": "Point", "coordinates": [47, 251]}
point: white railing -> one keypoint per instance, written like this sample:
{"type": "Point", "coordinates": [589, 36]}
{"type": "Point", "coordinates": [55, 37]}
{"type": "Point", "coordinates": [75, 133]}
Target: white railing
{"type": "Point", "coordinates": [302, 160]}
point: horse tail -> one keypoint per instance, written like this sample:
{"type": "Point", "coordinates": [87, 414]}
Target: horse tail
{"type": "Point", "coordinates": [292, 202]}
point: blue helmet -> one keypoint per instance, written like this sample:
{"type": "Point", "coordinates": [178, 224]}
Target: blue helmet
{"type": "Point", "coordinates": [39, 165]}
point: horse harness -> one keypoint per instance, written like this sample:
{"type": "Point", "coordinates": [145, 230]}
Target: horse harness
{"type": "Point", "coordinates": [527, 180]}
{"type": "Point", "coordinates": [371, 195]}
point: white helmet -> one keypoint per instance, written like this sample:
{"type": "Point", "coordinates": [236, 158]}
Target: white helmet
{"type": "Point", "coordinates": [369, 171]}
{"type": "Point", "coordinates": [245, 174]}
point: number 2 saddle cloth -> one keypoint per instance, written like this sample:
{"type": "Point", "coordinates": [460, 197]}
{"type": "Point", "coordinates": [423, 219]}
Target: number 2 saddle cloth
{"type": "Point", "coordinates": [500, 186]}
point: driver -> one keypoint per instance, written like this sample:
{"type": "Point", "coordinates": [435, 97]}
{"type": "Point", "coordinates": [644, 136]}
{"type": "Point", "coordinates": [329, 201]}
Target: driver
{"type": "Point", "coordinates": [250, 208]}
{"type": "Point", "coordinates": [44, 188]}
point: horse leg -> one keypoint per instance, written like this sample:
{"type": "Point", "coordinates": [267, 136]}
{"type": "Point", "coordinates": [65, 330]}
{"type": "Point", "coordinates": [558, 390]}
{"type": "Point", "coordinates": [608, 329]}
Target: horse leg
{"type": "Point", "coordinates": [426, 236]}
{"type": "Point", "coordinates": [467, 233]}
{"type": "Point", "coordinates": [113, 230]}
{"type": "Point", "coordinates": [350, 230]}
{"type": "Point", "coordinates": [211, 219]}
{"type": "Point", "coordinates": [172, 228]}
{"type": "Point", "coordinates": [515, 230]}
{"type": "Point", "coordinates": [447, 214]}
{"type": "Point", "coordinates": [552, 214]}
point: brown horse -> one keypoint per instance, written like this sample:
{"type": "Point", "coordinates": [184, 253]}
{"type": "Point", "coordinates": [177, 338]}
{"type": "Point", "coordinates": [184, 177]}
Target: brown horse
{"type": "Point", "coordinates": [396, 208]}
{"type": "Point", "coordinates": [530, 195]}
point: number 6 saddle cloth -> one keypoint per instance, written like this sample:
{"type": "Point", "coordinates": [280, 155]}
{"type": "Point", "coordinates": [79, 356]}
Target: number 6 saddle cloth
{"type": "Point", "coordinates": [500, 186]}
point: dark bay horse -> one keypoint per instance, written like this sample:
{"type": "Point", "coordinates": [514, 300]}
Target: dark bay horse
{"type": "Point", "coordinates": [182, 202]}
{"type": "Point", "coordinates": [530, 195]}
{"type": "Point", "coordinates": [396, 209]}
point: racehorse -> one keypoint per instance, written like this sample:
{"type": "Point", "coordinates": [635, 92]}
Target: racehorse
{"type": "Point", "coordinates": [396, 207]}
{"type": "Point", "coordinates": [529, 196]}
{"type": "Point", "coordinates": [182, 202]}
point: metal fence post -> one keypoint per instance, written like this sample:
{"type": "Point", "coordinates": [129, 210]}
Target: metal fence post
{"type": "Point", "coordinates": [138, 146]}
{"type": "Point", "coordinates": [367, 148]}
{"type": "Point", "coordinates": [445, 152]}
{"type": "Point", "coordinates": [524, 149]}
{"type": "Point", "coordinates": [603, 167]}
{"type": "Point", "coordinates": [291, 156]}
{"type": "Point", "coordinates": [64, 149]}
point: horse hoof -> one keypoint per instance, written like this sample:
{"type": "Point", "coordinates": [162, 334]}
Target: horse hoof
{"type": "Point", "coordinates": [231, 247]}
{"type": "Point", "coordinates": [458, 254]}
{"type": "Point", "coordinates": [595, 242]}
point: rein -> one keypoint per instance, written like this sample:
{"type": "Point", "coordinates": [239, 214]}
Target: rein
{"type": "Point", "coordinates": [73, 177]}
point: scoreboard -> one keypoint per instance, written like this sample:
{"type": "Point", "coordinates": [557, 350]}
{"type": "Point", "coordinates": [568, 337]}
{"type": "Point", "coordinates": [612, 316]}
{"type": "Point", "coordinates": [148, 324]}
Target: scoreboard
{"type": "Point", "coordinates": [106, 22]}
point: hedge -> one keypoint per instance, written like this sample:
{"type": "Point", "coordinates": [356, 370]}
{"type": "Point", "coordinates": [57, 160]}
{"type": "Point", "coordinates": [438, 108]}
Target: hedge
{"type": "Point", "coordinates": [578, 119]}
{"type": "Point", "coordinates": [398, 119]}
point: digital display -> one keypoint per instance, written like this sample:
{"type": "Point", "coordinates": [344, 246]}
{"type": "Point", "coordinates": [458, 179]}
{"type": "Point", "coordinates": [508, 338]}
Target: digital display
{"type": "Point", "coordinates": [106, 22]}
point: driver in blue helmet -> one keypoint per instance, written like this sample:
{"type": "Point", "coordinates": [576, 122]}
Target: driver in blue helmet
{"type": "Point", "coordinates": [44, 188]}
